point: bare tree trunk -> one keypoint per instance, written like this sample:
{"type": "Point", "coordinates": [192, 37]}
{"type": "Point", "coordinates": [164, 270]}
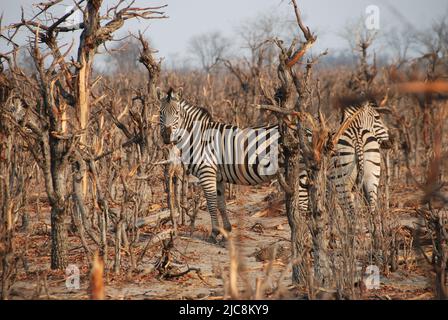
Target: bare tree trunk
{"type": "Point", "coordinates": [103, 215]}
{"type": "Point", "coordinates": [58, 238]}
{"type": "Point", "coordinates": [86, 53]}
{"type": "Point", "coordinates": [288, 100]}
{"type": "Point", "coordinates": [296, 220]}
{"type": "Point", "coordinates": [388, 180]}
{"type": "Point", "coordinates": [79, 209]}
{"type": "Point", "coordinates": [319, 220]}
{"type": "Point", "coordinates": [118, 241]}
{"type": "Point", "coordinates": [58, 206]}
{"type": "Point", "coordinates": [173, 197]}
{"type": "Point", "coordinates": [6, 227]}
{"type": "Point", "coordinates": [184, 196]}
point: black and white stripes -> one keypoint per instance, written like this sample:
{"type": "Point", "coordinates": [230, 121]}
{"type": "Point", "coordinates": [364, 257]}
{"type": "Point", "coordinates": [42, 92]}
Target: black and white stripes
{"type": "Point", "coordinates": [217, 153]}
{"type": "Point", "coordinates": [357, 158]}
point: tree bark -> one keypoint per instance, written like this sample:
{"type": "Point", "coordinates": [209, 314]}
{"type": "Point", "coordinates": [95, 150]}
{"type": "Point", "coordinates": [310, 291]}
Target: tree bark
{"type": "Point", "coordinates": [58, 207]}
{"type": "Point", "coordinates": [58, 238]}
{"type": "Point", "coordinates": [296, 220]}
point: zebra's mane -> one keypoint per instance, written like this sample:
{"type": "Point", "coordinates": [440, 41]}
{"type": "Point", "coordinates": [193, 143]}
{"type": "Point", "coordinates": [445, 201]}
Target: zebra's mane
{"type": "Point", "coordinates": [203, 111]}
{"type": "Point", "coordinates": [371, 104]}
{"type": "Point", "coordinates": [207, 115]}
{"type": "Point", "coordinates": [351, 109]}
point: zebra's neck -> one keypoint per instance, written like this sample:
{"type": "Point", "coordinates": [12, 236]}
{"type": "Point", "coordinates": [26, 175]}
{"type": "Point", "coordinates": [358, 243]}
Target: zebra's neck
{"type": "Point", "coordinates": [350, 111]}
{"type": "Point", "coordinates": [363, 117]}
{"type": "Point", "coordinates": [191, 117]}
{"type": "Point", "coordinates": [190, 113]}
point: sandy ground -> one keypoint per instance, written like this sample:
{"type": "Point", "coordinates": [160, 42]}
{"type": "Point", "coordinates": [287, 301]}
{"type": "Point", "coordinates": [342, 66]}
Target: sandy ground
{"type": "Point", "coordinates": [257, 222]}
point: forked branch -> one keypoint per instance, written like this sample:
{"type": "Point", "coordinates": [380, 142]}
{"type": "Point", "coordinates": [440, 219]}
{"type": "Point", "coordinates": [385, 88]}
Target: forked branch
{"type": "Point", "coordinates": [309, 37]}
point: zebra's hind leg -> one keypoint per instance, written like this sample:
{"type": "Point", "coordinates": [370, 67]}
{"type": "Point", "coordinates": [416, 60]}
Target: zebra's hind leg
{"type": "Point", "coordinates": [208, 182]}
{"type": "Point", "coordinates": [347, 203]}
{"type": "Point", "coordinates": [370, 191]}
{"type": "Point", "coordinates": [222, 205]}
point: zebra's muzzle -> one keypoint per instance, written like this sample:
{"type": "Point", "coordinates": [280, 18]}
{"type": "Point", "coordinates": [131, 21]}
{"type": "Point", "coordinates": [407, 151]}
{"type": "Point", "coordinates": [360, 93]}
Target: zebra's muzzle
{"type": "Point", "coordinates": [166, 135]}
{"type": "Point", "coordinates": [166, 139]}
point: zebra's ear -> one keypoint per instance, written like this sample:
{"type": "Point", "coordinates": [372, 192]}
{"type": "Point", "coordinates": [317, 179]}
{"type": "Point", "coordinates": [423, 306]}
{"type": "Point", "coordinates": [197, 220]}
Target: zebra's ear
{"type": "Point", "coordinates": [174, 94]}
{"type": "Point", "coordinates": [171, 94]}
{"type": "Point", "coordinates": [179, 93]}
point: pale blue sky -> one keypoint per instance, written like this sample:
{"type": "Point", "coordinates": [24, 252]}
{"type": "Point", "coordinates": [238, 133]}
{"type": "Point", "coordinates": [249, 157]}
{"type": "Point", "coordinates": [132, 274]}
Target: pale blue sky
{"type": "Point", "coordinates": [190, 17]}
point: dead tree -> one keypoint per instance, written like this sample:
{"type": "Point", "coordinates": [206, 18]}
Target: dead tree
{"type": "Point", "coordinates": [292, 99]}
{"type": "Point", "coordinates": [61, 112]}
{"type": "Point", "coordinates": [15, 174]}
{"type": "Point", "coordinates": [433, 208]}
{"type": "Point", "coordinates": [153, 67]}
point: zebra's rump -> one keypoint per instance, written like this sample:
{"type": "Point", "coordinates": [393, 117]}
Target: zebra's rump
{"type": "Point", "coordinates": [357, 159]}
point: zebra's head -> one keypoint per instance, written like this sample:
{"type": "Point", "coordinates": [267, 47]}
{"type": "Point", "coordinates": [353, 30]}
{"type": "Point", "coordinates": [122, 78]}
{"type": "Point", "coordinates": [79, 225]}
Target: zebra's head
{"type": "Point", "coordinates": [169, 114]}
{"type": "Point", "coordinates": [372, 119]}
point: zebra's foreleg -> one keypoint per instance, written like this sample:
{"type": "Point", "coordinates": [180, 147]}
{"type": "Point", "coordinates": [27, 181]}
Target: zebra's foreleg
{"type": "Point", "coordinates": [208, 183]}
{"type": "Point", "coordinates": [222, 205]}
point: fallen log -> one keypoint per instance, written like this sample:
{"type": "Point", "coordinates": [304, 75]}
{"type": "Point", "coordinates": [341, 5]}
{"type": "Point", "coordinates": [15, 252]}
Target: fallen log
{"type": "Point", "coordinates": [153, 219]}
{"type": "Point", "coordinates": [157, 238]}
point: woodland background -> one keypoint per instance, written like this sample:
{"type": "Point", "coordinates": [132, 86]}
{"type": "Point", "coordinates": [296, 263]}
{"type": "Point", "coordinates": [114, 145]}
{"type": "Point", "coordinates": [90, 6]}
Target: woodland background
{"type": "Point", "coordinates": [84, 177]}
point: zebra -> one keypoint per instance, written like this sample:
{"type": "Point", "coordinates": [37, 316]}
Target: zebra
{"type": "Point", "coordinates": [357, 159]}
{"type": "Point", "coordinates": [218, 153]}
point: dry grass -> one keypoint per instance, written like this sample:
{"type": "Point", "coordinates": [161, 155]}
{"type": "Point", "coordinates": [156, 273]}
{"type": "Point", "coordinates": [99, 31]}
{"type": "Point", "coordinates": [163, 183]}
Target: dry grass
{"type": "Point", "coordinates": [125, 186]}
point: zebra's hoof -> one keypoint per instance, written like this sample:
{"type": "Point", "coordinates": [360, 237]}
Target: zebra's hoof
{"type": "Point", "coordinates": [212, 239]}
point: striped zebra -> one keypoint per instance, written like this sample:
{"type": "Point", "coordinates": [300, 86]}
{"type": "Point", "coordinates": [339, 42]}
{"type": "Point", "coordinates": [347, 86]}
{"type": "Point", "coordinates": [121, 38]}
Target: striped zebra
{"type": "Point", "coordinates": [218, 153]}
{"type": "Point", "coordinates": [357, 158]}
